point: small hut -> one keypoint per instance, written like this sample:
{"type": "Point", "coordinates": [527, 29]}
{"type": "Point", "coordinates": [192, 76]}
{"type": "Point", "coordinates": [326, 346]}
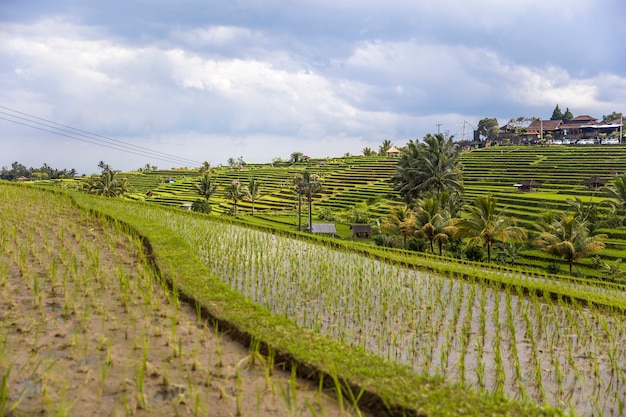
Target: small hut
{"type": "Point", "coordinates": [360, 230]}
{"type": "Point", "coordinates": [394, 152]}
{"type": "Point", "coordinates": [593, 183]}
{"type": "Point", "coordinates": [527, 186]}
{"type": "Point", "coordinates": [324, 228]}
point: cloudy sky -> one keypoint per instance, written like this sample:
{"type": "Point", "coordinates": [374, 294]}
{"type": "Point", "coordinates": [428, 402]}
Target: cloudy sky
{"type": "Point", "coordinates": [175, 83]}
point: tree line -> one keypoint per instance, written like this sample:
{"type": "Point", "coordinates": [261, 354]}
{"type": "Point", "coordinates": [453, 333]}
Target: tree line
{"type": "Point", "coordinates": [45, 172]}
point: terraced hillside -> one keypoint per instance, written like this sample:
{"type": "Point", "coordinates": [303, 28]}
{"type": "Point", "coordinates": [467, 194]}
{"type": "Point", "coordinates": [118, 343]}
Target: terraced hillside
{"type": "Point", "coordinates": [346, 182]}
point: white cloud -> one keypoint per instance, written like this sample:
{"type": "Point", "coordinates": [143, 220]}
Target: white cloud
{"type": "Point", "coordinates": [263, 91]}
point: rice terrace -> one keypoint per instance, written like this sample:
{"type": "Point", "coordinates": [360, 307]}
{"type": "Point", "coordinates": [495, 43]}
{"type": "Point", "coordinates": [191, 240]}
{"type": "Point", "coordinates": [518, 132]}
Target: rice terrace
{"type": "Point", "coordinates": [499, 290]}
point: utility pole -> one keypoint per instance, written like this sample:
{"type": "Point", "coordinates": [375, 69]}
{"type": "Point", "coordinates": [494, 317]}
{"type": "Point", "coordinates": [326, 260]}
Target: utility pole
{"type": "Point", "coordinates": [621, 129]}
{"type": "Point", "coordinates": [438, 127]}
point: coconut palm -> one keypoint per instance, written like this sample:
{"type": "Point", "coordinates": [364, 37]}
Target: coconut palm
{"type": "Point", "coordinates": [486, 225]}
{"type": "Point", "coordinates": [206, 187]}
{"type": "Point", "coordinates": [430, 166]}
{"type": "Point", "coordinates": [400, 219]}
{"type": "Point", "coordinates": [367, 151]}
{"type": "Point", "coordinates": [107, 184]}
{"type": "Point", "coordinates": [567, 237]}
{"type": "Point", "coordinates": [433, 222]}
{"type": "Point", "coordinates": [307, 184]}
{"type": "Point", "coordinates": [617, 189]}
{"type": "Point", "coordinates": [253, 191]}
{"type": "Point", "coordinates": [235, 193]}
{"type": "Point", "coordinates": [384, 147]}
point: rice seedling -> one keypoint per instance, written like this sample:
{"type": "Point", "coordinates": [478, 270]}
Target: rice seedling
{"type": "Point", "coordinates": [349, 296]}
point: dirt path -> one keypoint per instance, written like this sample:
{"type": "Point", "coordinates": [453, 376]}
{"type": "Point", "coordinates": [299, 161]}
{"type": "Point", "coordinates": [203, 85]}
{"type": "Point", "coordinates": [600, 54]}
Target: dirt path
{"type": "Point", "coordinates": [86, 331]}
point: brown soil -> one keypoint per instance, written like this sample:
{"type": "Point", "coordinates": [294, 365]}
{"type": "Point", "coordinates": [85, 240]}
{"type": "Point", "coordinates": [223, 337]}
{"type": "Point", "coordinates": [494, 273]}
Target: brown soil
{"type": "Point", "coordinates": [85, 330]}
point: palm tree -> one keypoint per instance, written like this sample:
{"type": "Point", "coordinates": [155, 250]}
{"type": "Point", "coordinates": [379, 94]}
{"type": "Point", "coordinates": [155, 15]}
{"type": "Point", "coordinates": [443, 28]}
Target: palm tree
{"type": "Point", "coordinates": [567, 237]}
{"type": "Point", "coordinates": [253, 191]}
{"type": "Point", "coordinates": [235, 193]}
{"type": "Point", "coordinates": [307, 184]}
{"type": "Point", "coordinates": [206, 187]}
{"type": "Point", "coordinates": [486, 225]}
{"type": "Point", "coordinates": [431, 166]}
{"type": "Point", "coordinates": [384, 147]}
{"type": "Point", "coordinates": [205, 168]}
{"type": "Point", "coordinates": [617, 189]}
{"type": "Point", "coordinates": [433, 222]}
{"type": "Point", "coordinates": [401, 219]}
{"type": "Point", "coordinates": [296, 157]}
{"type": "Point", "coordinates": [107, 184]}
{"type": "Point", "coordinates": [613, 270]}
{"type": "Point", "coordinates": [367, 151]}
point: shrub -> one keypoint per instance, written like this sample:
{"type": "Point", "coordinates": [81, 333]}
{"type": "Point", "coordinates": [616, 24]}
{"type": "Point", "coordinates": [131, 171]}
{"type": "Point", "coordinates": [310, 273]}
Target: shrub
{"type": "Point", "coordinates": [418, 245]}
{"type": "Point", "coordinates": [327, 214]}
{"type": "Point", "coordinates": [474, 253]}
{"type": "Point", "coordinates": [201, 206]}
{"type": "Point", "coordinates": [388, 241]}
{"type": "Point", "coordinates": [553, 268]}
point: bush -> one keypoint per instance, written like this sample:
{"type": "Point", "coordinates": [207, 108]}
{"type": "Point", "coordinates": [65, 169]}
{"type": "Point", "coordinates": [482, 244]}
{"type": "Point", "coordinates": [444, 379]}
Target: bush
{"type": "Point", "coordinates": [327, 214]}
{"type": "Point", "coordinates": [474, 253]}
{"type": "Point", "coordinates": [553, 268]}
{"type": "Point", "coordinates": [388, 241]}
{"type": "Point", "coordinates": [201, 206]}
{"type": "Point", "coordinates": [418, 245]}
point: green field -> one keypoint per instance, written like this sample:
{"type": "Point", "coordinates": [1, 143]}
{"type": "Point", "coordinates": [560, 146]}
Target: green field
{"type": "Point", "coordinates": [404, 329]}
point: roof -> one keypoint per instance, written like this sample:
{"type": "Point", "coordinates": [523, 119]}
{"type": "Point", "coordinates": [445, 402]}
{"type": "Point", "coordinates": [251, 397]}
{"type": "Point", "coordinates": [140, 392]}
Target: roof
{"type": "Point", "coordinates": [360, 228]}
{"type": "Point", "coordinates": [594, 180]}
{"type": "Point", "coordinates": [324, 228]}
{"type": "Point", "coordinates": [585, 118]}
{"type": "Point", "coordinates": [528, 183]}
{"type": "Point", "coordinates": [393, 149]}
{"type": "Point", "coordinates": [531, 182]}
{"type": "Point", "coordinates": [545, 125]}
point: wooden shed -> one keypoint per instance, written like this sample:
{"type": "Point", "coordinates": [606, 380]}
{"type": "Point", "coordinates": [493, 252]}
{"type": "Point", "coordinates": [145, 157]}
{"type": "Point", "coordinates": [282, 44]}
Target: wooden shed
{"type": "Point", "coordinates": [360, 230]}
{"type": "Point", "coordinates": [324, 228]}
{"type": "Point", "coordinates": [527, 186]}
{"type": "Point", "coordinates": [593, 183]}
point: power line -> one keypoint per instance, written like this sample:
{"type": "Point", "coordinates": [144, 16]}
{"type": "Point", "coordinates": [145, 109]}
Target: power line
{"type": "Point", "coordinates": [84, 136]}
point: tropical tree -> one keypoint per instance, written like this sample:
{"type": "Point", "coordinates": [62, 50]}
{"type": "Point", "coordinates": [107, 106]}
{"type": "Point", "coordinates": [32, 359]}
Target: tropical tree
{"type": "Point", "coordinates": [569, 238]}
{"type": "Point", "coordinates": [617, 189]}
{"type": "Point", "coordinates": [307, 184]}
{"type": "Point", "coordinates": [296, 157]}
{"type": "Point", "coordinates": [611, 117]}
{"type": "Point", "coordinates": [384, 147]}
{"type": "Point", "coordinates": [234, 193]}
{"type": "Point", "coordinates": [486, 225]}
{"type": "Point", "coordinates": [206, 187]}
{"type": "Point", "coordinates": [508, 252]}
{"type": "Point", "coordinates": [205, 168]}
{"type": "Point", "coordinates": [432, 165]}
{"type": "Point", "coordinates": [107, 184]}
{"type": "Point", "coordinates": [433, 222]}
{"type": "Point", "coordinates": [104, 166]}
{"type": "Point", "coordinates": [488, 128]}
{"type": "Point", "coordinates": [253, 191]}
{"type": "Point", "coordinates": [401, 219]}
{"type": "Point", "coordinates": [368, 152]}
{"type": "Point", "coordinates": [613, 270]}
